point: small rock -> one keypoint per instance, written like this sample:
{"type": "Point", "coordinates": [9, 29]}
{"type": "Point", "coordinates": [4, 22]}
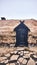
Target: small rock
{"type": "Point", "coordinates": [30, 53]}
{"type": "Point", "coordinates": [24, 61]}
{"type": "Point", "coordinates": [20, 59]}
{"type": "Point", "coordinates": [18, 63]}
{"type": "Point", "coordinates": [12, 64]}
{"type": "Point", "coordinates": [35, 56]}
{"type": "Point", "coordinates": [34, 52]}
{"type": "Point", "coordinates": [8, 64]}
{"type": "Point", "coordinates": [26, 52]}
{"type": "Point", "coordinates": [22, 51]}
{"type": "Point", "coordinates": [19, 52]}
{"type": "Point", "coordinates": [11, 52]}
{"type": "Point", "coordinates": [31, 62]}
{"type": "Point", "coordinates": [2, 58]}
{"type": "Point", "coordinates": [7, 55]}
{"type": "Point", "coordinates": [6, 61]}
{"type": "Point", "coordinates": [12, 45]}
{"type": "Point", "coordinates": [20, 48]}
{"type": "Point", "coordinates": [15, 52]}
{"type": "Point", "coordinates": [26, 56]}
{"type": "Point", "coordinates": [14, 57]}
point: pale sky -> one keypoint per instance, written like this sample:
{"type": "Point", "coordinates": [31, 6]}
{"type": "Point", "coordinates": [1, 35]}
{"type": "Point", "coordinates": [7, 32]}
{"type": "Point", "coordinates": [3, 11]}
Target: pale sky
{"type": "Point", "coordinates": [18, 9]}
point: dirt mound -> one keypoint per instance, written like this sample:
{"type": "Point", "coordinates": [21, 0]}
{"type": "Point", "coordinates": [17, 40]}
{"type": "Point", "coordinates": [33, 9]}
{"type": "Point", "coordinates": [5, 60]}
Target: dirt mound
{"type": "Point", "coordinates": [7, 34]}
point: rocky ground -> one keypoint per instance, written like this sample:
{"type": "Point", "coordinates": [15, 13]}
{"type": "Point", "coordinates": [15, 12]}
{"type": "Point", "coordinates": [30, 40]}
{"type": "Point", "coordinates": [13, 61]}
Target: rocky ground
{"type": "Point", "coordinates": [10, 55]}
{"type": "Point", "coordinates": [18, 56]}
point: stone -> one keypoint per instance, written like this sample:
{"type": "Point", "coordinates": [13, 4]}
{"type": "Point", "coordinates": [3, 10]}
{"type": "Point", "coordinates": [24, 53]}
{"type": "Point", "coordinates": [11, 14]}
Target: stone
{"type": "Point", "coordinates": [12, 64]}
{"type": "Point", "coordinates": [18, 63]}
{"type": "Point", "coordinates": [8, 64]}
{"type": "Point", "coordinates": [20, 59]}
{"type": "Point", "coordinates": [30, 53]}
{"type": "Point", "coordinates": [35, 56]}
{"type": "Point", "coordinates": [15, 52]}
{"type": "Point", "coordinates": [14, 57]}
{"type": "Point", "coordinates": [26, 56]}
{"type": "Point", "coordinates": [31, 62]}
{"type": "Point", "coordinates": [7, 55]}
{"type": "Point", "coordinates": [24, 61]}
{"type": "Point", "coordinates": [2, 58]}
{"type": "Point", "coordinates": [26, 52]}
{"type": "Point", "coordinates": [21, 54]}
{"type": "Point", "coordinates": [12, 45]}
{"type": "Point", "coordinates": [11, 52]}
{"type": "Point", "coordinates": [20, 48]}
{"type": "Point", "coordinates": [4, 61]}
{"type": "Point", "coordinates": [34, 52]}
{"type": "Point", "coordinates": [22, 51]}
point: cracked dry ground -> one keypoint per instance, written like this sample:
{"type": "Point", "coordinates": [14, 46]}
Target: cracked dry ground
{"type": "Point", "coordinates": [18, 56]}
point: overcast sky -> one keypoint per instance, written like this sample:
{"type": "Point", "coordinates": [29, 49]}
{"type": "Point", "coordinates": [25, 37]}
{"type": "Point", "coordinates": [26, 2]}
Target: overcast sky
{"type": "Point", "coordinates": [18, 9]}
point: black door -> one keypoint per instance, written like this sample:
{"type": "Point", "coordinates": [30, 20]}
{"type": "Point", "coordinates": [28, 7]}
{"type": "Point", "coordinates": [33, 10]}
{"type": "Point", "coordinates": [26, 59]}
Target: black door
{"type": "Point", "coordinates": [21, 37]}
